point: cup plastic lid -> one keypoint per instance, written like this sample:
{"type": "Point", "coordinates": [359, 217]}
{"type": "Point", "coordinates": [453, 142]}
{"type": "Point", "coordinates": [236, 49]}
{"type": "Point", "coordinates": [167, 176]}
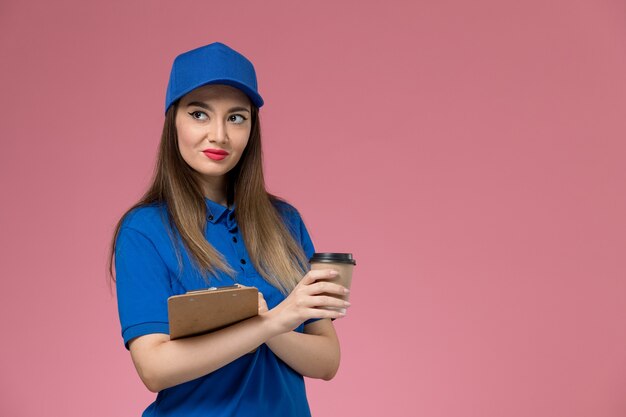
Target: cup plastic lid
{"type": "Point", "coordinates": [333, 257]}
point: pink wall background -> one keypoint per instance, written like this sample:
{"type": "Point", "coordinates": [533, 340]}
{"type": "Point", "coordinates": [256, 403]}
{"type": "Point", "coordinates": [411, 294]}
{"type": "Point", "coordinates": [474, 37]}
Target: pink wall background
{"type": "Point", "coordinates": [470, 154]}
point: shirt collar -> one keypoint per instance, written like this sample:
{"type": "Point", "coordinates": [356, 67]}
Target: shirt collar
{"type": "Point", "coordinates": [214, 210]}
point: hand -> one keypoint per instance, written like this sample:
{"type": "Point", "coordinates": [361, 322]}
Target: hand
{"type": "Point", "coordinates": [262, 304]}
{"type": "Point", "coordinates": [307, 301]}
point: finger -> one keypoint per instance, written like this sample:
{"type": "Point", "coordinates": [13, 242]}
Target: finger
{"type": "Point", "coordinates": [324, 301]}
{"type": "Point", "coordinates": [326, 287]}
{"type": "Point", "coordinates": [319, 313]}
{"type": "Point", "coordinates": [316, 274]}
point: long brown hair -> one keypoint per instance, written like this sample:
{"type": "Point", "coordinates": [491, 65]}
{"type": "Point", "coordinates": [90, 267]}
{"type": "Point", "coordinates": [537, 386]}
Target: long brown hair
{"type": "Point", "coordinates": [271, 247]}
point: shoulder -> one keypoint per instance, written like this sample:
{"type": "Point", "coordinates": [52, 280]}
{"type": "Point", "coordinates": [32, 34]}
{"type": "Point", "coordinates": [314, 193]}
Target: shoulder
{"type": "Point", "coordinates": [149, 220]}
{"type": "Point", "coordinates": [288, 212]}
{"type": "Point", "coordinates": [145, 216]}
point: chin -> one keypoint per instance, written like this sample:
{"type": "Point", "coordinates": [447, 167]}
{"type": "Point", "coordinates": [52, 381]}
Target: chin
{"type": "Point", "coordinates": [212, 172]}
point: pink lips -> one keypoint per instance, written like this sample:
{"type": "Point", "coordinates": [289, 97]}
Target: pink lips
{"type": "Point", "coordinates": [215, 154]}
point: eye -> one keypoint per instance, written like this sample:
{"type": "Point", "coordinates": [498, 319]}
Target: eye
{"type": "Point", "coordinates": [237, 118]}
{"type": "Point", "coordinates": [198, 115]}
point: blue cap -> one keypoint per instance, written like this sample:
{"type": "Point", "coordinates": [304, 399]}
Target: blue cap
{"type": "Point", "coordinates": [215, 63]}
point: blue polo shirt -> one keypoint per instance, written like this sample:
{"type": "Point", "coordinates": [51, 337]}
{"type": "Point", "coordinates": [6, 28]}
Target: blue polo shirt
{"type": "Point", "coordinates": [148, 271]}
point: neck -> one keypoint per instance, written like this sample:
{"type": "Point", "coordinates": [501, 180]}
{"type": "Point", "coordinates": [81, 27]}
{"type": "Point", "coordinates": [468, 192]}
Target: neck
{"type": "Point", "coordinates": [214, 189]}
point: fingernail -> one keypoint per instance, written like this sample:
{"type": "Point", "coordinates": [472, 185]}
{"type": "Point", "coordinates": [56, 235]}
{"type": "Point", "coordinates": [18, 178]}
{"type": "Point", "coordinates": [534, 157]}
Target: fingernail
{"type": "Point", "coordinates": [347, 304]}
{"type": "Point", "coordinates": [342, 310]}
{"type": "Point", "coordinates": [346, 291]}
{"type": "Point", "coordinates": [333, 273]}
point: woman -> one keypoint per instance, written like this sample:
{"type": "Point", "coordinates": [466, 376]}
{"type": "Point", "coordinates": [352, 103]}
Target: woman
{"type": "Point", "coordinates": [208, 220]}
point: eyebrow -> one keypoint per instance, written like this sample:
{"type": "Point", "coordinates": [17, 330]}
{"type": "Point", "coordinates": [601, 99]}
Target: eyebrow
{"type": "Point", "coordinates": [206, 106]}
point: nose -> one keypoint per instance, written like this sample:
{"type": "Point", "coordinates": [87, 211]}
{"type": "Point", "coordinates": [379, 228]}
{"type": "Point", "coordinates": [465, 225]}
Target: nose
{"type": "Point", "coordinates": [220, 135]}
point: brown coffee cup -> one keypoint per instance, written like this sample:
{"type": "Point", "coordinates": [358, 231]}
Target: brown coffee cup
{"type": "Point", "coordinates": [343, 263]}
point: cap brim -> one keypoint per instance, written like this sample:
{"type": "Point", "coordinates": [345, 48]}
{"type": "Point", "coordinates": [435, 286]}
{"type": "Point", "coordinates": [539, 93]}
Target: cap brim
{"type": "Point", "coordinates": [255, 98]}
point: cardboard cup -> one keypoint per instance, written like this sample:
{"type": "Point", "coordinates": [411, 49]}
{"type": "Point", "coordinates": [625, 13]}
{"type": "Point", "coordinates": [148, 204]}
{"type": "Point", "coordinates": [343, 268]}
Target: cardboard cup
{"type": "Point", "coordinates": [343, 263]}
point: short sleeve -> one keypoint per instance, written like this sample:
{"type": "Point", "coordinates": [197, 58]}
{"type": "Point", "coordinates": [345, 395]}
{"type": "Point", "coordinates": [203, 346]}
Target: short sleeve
{"type": "Point", "coordinates": [143, 285]}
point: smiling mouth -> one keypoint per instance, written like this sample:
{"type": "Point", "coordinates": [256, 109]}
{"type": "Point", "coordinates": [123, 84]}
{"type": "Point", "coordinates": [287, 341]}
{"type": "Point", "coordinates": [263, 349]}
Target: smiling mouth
{"type": "Point", "coordinates": [216, 151]}
{"type": "Point", "coordinates": [215, 154]}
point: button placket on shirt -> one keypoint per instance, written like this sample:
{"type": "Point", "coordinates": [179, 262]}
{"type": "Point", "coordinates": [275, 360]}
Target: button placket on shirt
{"type": "Point", "coordinates": [237, 242]}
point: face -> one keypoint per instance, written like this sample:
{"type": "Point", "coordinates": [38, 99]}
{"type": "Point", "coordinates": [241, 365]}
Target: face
{"type": "Point", "coordinates": [213, 123]}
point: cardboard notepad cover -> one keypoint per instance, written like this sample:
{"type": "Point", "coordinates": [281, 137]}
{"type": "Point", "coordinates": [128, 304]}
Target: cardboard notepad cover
{"type": "Point", "coordinates": [198, 312]}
